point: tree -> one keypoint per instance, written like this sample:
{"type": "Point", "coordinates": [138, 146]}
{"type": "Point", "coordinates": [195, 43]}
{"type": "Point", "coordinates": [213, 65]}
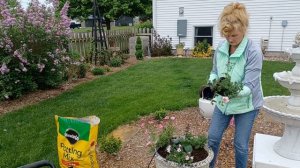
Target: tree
{"type": "Point", "coordinates": [110, 9]}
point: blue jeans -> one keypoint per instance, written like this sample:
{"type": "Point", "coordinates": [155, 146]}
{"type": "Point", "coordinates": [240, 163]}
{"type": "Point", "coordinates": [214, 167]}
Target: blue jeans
{"type": "Point", "coordinates": [243, 126]}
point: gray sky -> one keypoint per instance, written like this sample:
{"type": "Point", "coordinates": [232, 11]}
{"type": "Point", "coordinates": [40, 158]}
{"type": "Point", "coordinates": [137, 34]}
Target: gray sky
{"type": "Point", "coordinates": [24, 3]}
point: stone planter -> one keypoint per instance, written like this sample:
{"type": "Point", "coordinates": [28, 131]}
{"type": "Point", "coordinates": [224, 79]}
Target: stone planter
{"type": "Point", "coordinates": [179, 51]}
{"type": "Point", "coordinates": [206, 108]}
{"type": "Point", "coordinates": [161, 162]}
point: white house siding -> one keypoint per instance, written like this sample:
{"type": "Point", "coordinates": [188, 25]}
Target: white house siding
{"type": "Point", "coordinates": [206, 13]}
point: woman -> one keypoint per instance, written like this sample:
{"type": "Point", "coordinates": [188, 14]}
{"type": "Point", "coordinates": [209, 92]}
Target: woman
{"type": "Point", "coordinates": [242, 60]}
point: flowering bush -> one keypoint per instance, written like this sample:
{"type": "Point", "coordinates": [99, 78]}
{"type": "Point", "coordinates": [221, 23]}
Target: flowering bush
{"type": "Point", "coordinates": [33, 47]}
{"type": "Point", "coordinates": [202, 49]}
{"type": "Point", "coordinates": [161, 46]}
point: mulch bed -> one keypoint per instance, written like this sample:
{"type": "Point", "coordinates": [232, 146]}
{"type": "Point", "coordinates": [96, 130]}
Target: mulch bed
{"type": "Point", "coordinates": [135, 153]}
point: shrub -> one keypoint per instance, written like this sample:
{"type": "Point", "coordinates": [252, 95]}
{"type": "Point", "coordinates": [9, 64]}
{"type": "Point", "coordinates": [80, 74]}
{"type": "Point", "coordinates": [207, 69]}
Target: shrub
{"type": "Point", "coordinates": [139, 49]}
{"type": "Point", "coordinates": [180, 45]}
{"type": "Point", "coordinates": [98, 71]}
{"type": "Point", "coordinates": [202, 49]}
{"type": "Point", "coordinates": [147, 24]}
{"type": "Point", "coordinates": [110, 145]}
{"type": "Point", "coordinates": [82, 70]}
{"type": "Point", "coordinates": [116, 62]}
{"type": "Point", "coordinates": [33, 46]}
{"type": "Point", "coordinates": [161, 46]}
{"type": "Point", "coordinates": [104, 57]}
{"type": "Point", "coordinates": [160, 114]}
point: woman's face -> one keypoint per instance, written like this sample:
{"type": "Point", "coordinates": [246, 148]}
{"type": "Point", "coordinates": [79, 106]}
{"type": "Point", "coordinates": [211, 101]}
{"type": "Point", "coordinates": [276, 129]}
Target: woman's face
{"type": "Point", "coordinates": [235, 37]}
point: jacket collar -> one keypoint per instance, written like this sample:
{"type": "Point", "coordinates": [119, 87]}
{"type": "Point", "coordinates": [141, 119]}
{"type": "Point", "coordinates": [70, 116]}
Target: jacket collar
{"type": "Point", "coordinates": [238, 52]}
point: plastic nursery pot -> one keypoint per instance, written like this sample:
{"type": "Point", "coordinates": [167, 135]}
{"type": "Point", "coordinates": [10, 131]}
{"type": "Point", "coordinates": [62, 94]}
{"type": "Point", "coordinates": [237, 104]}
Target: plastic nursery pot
{"type": "Point", "coordinates": [206, 108]}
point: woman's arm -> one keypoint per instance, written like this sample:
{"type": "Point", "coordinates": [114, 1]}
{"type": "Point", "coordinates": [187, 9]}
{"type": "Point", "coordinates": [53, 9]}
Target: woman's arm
{"type": "Point", "coordinates": [253, 69]}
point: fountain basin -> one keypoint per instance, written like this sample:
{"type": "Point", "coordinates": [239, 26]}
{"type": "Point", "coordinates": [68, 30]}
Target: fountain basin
{"type": "Point", "coordinates": [278, 109]}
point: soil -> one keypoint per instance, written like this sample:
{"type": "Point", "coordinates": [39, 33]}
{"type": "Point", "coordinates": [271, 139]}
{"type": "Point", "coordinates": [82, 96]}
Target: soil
{"type": "Point", "coordinates": [134, 152]}
{"type": "Point", "coordinates": [198, 154]}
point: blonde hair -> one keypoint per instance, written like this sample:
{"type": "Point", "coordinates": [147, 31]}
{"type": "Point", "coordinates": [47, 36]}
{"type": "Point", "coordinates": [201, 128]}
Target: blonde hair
{"type": "Point", "coordinates": [233, 17]}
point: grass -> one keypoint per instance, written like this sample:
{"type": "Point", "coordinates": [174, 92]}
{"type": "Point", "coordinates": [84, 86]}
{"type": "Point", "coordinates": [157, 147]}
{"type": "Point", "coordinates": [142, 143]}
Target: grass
{"type": "Point", "coordinates": [29, 134]}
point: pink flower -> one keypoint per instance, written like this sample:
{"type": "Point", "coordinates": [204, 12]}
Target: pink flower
{"type": "Point", "coordinates": [160, 126]}
{"type": "Point", "coordinates": [232, 121]}
{"type": "Point", "coordinates": [225, 99]}
{"type": "Point", "coordinates": [172, 118]}
{"type": "Point", "coordinates": [148, 143]}
{"type": "Point", "coordinates": [167, 117]}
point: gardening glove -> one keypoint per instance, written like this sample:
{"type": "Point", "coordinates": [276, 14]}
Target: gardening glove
{"type": "Point", "coordinates": [212, 78]}
{"type": "Point", "coordinates": [245, 91]}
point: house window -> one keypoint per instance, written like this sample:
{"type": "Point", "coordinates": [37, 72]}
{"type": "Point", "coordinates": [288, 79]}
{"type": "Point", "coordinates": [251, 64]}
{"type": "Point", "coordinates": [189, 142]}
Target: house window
{"type": "Point", "coordinates": [202, 33]}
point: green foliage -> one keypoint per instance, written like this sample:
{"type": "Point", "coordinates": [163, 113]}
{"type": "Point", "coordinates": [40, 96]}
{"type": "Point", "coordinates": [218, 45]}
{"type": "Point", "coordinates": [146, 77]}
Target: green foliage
{"type": "Point", "coordinates": [180, 149]}
{"type": "Point", "coordinates": [110, 145]}
{"type": "Point", "coordinates": [32, 54]}
{"type": "Point", "coordinates": [139, 49]}
{"type": "Point", "coordinates": [225, 87]}
{"type": "Point", "coordinates": [82, 70]}
{"type": "Point", "coordinates": [180, 45]}
{"type": "Point", "coordinates": [147, 24]}
{"type": "Point", "coordinates": [202, 49]}
{"type": "Point", "coordinates": [112, 58]}
{"type": "Point", "coordinates": [13, 85]}
{"type": "Point", "coordinates": [116, 62]}
{"type": "Point", "coordinates": [98, 71]}
{"type": "Point", "coordinates": [165, 137]}
{"type": "Point", "coordinates": [110, 10]}
{"type": "Point", "coordinates": [160, 114]}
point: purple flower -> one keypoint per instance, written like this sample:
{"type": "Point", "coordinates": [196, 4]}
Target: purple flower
{"type": "Point", "coordinates": [4, 69]}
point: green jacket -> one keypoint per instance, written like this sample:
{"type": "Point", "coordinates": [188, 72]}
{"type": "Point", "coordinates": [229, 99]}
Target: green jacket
{"type": "Point", "coordinates": [244, 65]}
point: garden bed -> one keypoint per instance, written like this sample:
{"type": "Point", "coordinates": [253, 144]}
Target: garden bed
{"type": "Point", "coordinates": [135, 152]}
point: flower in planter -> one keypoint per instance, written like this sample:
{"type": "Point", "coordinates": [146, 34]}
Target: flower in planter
{"type": "Point", "coordinates": [188, 150]}
{"type": "Point", "coordinates": [180, 45]}
{"type": "Point", "coordinates": [185, 149]}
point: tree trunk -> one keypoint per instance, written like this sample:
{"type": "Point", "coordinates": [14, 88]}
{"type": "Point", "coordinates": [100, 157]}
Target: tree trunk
{"type": "Point", "coordinates": [107, 22]}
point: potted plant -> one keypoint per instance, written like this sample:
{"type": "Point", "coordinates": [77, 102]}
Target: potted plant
{"type": "Point", "coordinates": [180, 49]}
{"type": "Point", "coordinates": [222, 86]}
{"type": "Point", "coordinates": [184, 151]}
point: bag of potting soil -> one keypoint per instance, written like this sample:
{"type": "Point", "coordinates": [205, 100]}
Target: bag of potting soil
{"type": "Point", "coordinates": [76, 141]}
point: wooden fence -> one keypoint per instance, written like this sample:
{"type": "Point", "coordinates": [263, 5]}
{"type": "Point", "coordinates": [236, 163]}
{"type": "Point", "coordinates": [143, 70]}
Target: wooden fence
{"type": "Point", "coordinates": [82, 43]}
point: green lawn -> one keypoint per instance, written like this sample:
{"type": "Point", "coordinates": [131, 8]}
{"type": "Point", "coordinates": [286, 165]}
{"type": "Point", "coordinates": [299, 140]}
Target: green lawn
{"type": "Point", "coordinates": [29, 134]}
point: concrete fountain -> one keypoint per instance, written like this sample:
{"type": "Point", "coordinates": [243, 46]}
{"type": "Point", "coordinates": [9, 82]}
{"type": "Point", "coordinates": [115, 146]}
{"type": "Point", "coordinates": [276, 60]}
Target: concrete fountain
{"type": "Point", "coordinates": [284, 109]}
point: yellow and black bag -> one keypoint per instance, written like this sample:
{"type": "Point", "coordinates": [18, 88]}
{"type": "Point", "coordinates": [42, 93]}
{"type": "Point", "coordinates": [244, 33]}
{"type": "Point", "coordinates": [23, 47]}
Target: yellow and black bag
{"type": "Point", "coordinates": [76, 141]}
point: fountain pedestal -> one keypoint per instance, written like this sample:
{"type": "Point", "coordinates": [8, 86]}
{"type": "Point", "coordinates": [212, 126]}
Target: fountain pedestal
{"type": "Point", "coordinates": [265, 157]}
{"type": "Point", "coordinates": [284, 109]}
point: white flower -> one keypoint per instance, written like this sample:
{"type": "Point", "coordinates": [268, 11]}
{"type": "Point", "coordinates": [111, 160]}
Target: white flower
{"type": "Point", "coordinates": [179, 149]}
{"type": "Point", "coordinates": [192, 157]}
{"type": "Point", "coordinates": [225, 99]}
{"type": "Point", "coordinates": [168, 149]}
{"type": "Point", "coordinates": [187, 157]}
